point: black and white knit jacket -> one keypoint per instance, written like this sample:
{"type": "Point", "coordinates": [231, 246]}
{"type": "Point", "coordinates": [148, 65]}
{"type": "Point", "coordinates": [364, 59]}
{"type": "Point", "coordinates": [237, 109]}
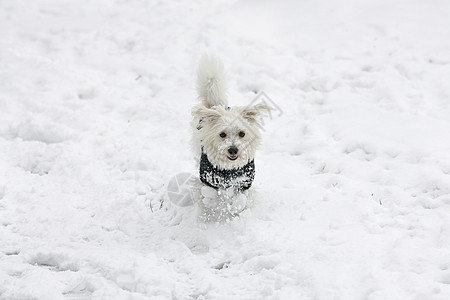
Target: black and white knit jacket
{"type": "Point", "coordinates": [240, 178]}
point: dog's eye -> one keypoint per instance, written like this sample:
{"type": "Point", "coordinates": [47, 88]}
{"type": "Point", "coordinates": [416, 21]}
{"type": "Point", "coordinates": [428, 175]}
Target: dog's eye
{"type": "Point", "coordinates": [241, 133]}
{"type": "Point", "coordinates": [223, 134]}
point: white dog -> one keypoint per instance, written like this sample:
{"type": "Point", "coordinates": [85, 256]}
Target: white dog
{"type": "Point", "coordinates": [225, 140]}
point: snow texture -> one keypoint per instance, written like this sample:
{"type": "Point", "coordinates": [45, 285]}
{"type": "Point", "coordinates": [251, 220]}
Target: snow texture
{"type": "Point", "coordinates": [352, 186]}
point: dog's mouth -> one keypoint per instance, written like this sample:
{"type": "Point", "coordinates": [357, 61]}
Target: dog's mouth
{"type": "Point", "coordinates": [232, 157]}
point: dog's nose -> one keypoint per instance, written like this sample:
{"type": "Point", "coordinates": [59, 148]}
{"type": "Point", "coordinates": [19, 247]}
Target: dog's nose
{"type": "Point", "coordinates": [233, 150]}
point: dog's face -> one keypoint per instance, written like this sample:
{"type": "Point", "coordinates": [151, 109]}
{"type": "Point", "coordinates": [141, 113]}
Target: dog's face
{"type": "Point", "coordinates": [229, 137]}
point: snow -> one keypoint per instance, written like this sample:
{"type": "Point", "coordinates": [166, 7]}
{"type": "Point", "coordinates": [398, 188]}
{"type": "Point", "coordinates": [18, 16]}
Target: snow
{"type": "Point", "coordinates": [352, 189]}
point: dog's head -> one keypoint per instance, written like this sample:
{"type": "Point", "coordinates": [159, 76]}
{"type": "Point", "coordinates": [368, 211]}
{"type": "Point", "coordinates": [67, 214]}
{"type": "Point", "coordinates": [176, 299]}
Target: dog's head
{"type": "Point", "coordinates": [229, 137]}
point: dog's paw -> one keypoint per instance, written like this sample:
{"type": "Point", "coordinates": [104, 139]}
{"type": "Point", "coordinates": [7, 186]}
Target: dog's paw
{"type": "Point", "coordinates": [208, 192]}
{"type": "Point", "coordinates": [238, 204]}
{"type": "Point", "coordinates": [211, 203]}
{"type": "Point", "coordinates": [210, 199]}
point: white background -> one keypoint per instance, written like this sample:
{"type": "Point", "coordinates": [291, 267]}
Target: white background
{"type": "Point", "coordinates": [353, 179]}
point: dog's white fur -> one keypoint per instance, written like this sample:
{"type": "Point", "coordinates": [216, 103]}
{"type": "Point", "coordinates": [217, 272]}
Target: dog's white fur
{"type": "Point", "coordinates": [211, 82]}
{"type": "Point", "coordinates": [213, 117]}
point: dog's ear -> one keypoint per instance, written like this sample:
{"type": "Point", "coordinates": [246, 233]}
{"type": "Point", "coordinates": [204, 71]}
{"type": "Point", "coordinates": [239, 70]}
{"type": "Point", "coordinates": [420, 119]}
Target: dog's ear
{"type": "Point", "coordinates": [204, 114]}
{"type": "Point", "coordinates": [256, 112]}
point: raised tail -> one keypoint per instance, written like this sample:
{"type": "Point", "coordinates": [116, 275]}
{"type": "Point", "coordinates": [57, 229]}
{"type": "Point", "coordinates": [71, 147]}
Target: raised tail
{"type": "Point", "coordinates": [211, 82]}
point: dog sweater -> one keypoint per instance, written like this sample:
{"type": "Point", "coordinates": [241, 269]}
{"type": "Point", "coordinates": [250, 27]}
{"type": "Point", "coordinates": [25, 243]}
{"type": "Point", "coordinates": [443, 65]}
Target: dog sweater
{"type": "Point", "coordinates": [240, 178]}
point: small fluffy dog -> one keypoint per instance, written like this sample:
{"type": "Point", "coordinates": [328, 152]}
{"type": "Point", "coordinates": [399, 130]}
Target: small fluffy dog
{"type": "Point", "coordinates": [225, 140]}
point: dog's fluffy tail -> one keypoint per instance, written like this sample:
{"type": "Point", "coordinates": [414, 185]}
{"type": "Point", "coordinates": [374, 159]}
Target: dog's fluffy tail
{"type": "Point", "coordinates": [211, 84]}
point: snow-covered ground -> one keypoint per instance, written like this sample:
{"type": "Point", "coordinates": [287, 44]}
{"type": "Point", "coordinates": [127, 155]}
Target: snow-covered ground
{"type": "Point", "coordinates": [352, 183]}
